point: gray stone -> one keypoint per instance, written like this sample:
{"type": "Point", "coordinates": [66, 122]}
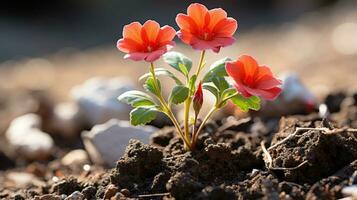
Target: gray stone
{"type": "Point", "coordinates": [26, 138]}
{"type": "Point", "coordinates": [75, 196]}
{"type": "Point", "coordinates": [97, 99]}
{"type": "Point", "coordinates": [350, 191]}
{"type": "Point", "coordinates": [75, 157]}
{"type": "Point", "coordinates": [106, 143]}
{"type": "Point", "coordinates": [67, 120]}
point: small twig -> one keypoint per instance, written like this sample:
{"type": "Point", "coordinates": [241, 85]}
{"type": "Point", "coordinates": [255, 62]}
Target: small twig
{"type": "Point", "coordinates": [270, 161]}
{"type": "Point", "coordinates": [340, 130]}
{"type": "Point", "coordinates": [153, 195]}
{"type": "Point", "coordinates": [290, 168]}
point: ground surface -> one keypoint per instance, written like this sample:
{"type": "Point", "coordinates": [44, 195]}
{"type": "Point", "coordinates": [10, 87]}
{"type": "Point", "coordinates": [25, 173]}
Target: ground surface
{"type": "Point", "coordinates": [230, 162]}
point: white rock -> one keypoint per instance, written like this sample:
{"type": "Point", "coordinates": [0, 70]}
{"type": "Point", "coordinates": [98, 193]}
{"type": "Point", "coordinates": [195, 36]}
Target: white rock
{"type": "Point", "coordinates": [97, 99]}
{"type": "Point", "coordinates": [294, 89]}
{"type": "Point", "coordinates": [67, 120]}
{"type": "Point", "coordinates": [25, 122]}
{"type": "Point", "coordinates": [27, 139]}
{"type": "Point", "coordinates": [75, 196]}
{"type": "Point", "coordinates": [350, 191]}
{"type": "Point", "coordinates": [106, 143]}
{"type": "Point", "coordinates": [75, 157]}
{"type": "Point", "coordinates": [22, 179]}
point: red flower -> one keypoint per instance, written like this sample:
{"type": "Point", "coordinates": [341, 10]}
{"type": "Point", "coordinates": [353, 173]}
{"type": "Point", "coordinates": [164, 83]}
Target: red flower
{"type": "Point", "coordinates": [250, 79]}
{"type": "Point", "coordinates": [198, 99]}
{"type": "Point", "coordinates": [146, 42]}
{"type": "Point", "coordinates": [206, 29]}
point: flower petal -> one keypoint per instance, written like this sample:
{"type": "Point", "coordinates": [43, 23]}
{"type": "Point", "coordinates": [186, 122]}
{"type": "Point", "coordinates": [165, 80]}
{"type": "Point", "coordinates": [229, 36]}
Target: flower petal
{"type": "Point", "coordinates": [185, 36]}
{"type": "Point", "coordinates": [225, 28]}
{"type": "Point", "coordinates": [250, 68]}
{"type": "Point", "coordinates": [265, 79]}
{"type": "Point", "coordinates": [224, 41]}
{"type": "Point", "coordinates": [186, 23]}
{"type": "Point", "coordinates": [137, 56]}
{"type": "Point", "coordinates": [150, 31]}
{"type": "Point", "coordinates": [242, 89]}
{"type": "Point", "coordinates": [198, 13]}
{"type": "Point", "coordinates": [269, 94]}
{"type": "Point", "coordinates": [268, 84]}
{"type": "Point", "coordinates": [133, 31]}
{"type": "Point", "coordinates": [152, 56]}
{"type": "Point", "coordinates": [127, 45]}
{"type": "Point", "coordinates": [166, 34]}
{"type": "Point", "coordinates": [235, 70]}
{"type": "Point", "coordinates": [216, 15]}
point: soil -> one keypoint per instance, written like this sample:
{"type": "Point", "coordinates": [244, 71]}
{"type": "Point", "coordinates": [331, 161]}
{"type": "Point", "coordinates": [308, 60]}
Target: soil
{"type": "Point", "coordinates": [231, 162]}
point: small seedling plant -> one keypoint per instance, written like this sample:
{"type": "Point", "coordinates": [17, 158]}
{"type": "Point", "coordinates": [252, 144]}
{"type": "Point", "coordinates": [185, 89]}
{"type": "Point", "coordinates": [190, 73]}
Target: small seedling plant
{"type": "Point", "coordinates": [243, 81]}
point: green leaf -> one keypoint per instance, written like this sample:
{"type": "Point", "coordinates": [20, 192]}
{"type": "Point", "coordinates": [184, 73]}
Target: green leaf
{"type": "Point", "coordinates": [175, 58]}
{"type": "Point", "coordinates": [162, 72]}
{"type": "Point", "coordinates": [136, 98]}
{"type": "Point", "coordinates": [245, 104]}
{"type": "Point", "coordinates": [179, 94]}
{"type": "Point", "coordinates": [211, 88]}
{"type": "Point", "coordinates": [191, 84]}
{"type": "Point", "coordinates": [183, 69]}
{"type": "Point", "coordinates": [228, 92]}
{"type": "Point", "coordinates": [143, 115]}
{"type": "Point", "coordinates": [217, 69]}
{"type": "Point", "coordinates": [150, 86]}
{"type": "Point", "coordinates": [220, 83]}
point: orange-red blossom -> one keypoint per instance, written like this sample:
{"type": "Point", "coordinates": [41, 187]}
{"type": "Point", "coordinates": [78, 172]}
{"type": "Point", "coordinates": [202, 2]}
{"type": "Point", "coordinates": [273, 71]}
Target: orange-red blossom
{"type": "Point", "coordinates": [146, 42]}
{"type": "Point", "coordinates": [205, 29]}
{"type": "Point", "coordinates": [250, 79]}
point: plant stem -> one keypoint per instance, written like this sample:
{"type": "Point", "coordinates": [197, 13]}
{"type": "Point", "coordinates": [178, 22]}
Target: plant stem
{"type": "Point", "coordinates": [200, 62]}
{"type": "Point", "coordinates": [188, 101]}
{"type": "Point", "coordinates": [195, 135]}
{"type": "Point", "coordinates": [167, 109]}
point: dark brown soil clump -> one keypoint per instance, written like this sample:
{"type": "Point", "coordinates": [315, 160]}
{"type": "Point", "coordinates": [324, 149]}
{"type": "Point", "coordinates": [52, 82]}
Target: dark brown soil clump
{"type": "Point", "coordinates": [298, 157]}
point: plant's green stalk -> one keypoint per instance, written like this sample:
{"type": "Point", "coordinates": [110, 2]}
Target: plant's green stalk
{"type": "Point", "coordinates": [195, 135]}
{"type": "Point", "coordinates": [167, 109]}
{"type": "Point", "coordinates": [188, 101]}
{"type": "Point", "coordinates": [200, 62]}
{"type": "Point", "coordinates": [227, 98]}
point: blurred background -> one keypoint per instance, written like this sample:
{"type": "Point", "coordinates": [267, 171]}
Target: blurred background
{"type": "Point", "coordinates": [45, 43]}
{"type": "Point", "coordinates": [49, 49]}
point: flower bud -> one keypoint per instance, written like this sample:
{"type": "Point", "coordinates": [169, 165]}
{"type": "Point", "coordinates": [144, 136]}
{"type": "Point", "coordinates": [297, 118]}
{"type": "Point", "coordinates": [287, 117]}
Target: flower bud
{"type": "Point", "coordinates": [198, 99]}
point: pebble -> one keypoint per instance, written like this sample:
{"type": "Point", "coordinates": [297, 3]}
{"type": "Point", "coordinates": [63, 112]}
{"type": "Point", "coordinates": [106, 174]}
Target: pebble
{"type": "Point", "coordinates": [48, 197]}
{"type": "Point", "coordinates": [26, 138]}
{"type": "Point", "coordinates": [22, 179]}
{"type": "Point", "coordinates": [75, 196]}
{"type": "Point", "coordinates": [110, 192]}
{"type": "Point", "coordinates": [89, 192]}
{"type": "Point", "coordinates": [106, 143]}
{"type": "Point", "coordinates": [125, 192]}
{"type": "Point", "coordinates": [75, 158]}
{"type": "Point", "coordinates": [350, 191]}
{"type": "Point", "coordinates": [67, 120]}
{"type": "Point", "coordinates": [97, 99]}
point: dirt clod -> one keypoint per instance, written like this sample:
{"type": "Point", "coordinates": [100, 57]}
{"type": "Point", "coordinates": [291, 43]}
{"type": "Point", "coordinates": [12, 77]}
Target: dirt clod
{"type": "Point", "coordinates": [315, 147]}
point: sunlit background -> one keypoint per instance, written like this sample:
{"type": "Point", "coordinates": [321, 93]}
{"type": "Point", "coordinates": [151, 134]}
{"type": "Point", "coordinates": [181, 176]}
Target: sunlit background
{"type": "Point", "coordinates": [72, 40]}
{"type": "Point", "coordinates": [49, 47]}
